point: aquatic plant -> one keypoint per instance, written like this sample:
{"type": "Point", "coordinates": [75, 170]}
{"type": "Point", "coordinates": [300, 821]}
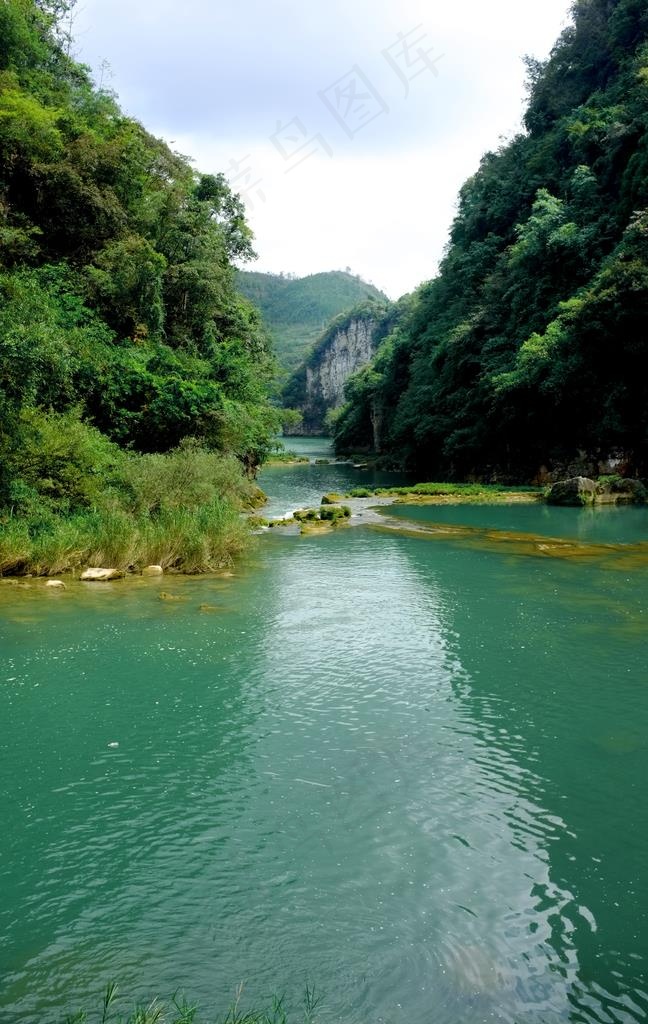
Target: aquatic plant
{"type": "Point", "coordinates": [180, 1011]}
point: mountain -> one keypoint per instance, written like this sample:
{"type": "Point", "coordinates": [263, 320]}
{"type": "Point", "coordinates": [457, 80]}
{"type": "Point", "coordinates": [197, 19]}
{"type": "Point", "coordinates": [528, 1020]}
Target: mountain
{"type": "Point", "coordinates": [297, 309]}
{"type": "Point", "coordinates": [528, 354]}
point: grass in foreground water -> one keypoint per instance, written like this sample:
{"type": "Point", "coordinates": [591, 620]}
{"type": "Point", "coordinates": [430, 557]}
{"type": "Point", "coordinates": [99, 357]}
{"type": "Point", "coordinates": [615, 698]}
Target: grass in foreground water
{"type": "Point", "coordinates": [179, 1011]}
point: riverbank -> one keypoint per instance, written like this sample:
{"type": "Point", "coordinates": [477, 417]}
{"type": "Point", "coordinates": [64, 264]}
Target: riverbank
{"type": "Point", "coordinates": [192, 512]}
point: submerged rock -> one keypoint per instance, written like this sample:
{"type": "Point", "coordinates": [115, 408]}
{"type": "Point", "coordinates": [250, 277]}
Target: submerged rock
{"type": "Point", "coordinates": [56, 584]}
{"type": "Point", "coordinates": [101, 575]}
{"type": "Point", "coordinates": [578, 490]}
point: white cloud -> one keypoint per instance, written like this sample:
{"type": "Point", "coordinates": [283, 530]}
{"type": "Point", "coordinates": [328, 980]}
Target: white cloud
{"type": "Point", "coordinates": [216, 79]}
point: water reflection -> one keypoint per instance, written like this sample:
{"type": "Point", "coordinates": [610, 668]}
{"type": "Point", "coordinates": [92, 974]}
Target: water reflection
{"type": "Point", "coordinates": [539, 739]}
{"type": "Point", "coordinates": [424, 846]}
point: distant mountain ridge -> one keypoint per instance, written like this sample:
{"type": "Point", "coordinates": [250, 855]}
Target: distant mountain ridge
{"type": "Point", "coordinates": [297, 310]}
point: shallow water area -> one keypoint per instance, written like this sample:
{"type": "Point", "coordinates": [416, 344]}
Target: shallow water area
{"type": "Point", "coordinates": [411, 773]}
{"type": "Point", "coordinates": [605, 524]}
{"type": "Point", "coordinates": [303, 485]}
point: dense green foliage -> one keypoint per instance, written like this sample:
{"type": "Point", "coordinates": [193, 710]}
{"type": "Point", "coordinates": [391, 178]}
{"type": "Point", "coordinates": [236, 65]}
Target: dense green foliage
{"type": "Point", "coordinates": [530, 346]}
{"type": "Point", "coordinates": [121, 329]}
{"type": "Point", "coordinates": [297, 310]}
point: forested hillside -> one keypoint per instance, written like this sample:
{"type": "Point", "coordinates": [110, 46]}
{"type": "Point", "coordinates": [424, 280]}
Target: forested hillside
{"type": "Point", "coordinates": [121, 329]}
{"type": "Point", "coordinates": [530, 348]}
{"type": "Point", "coordinates": [297, 310]}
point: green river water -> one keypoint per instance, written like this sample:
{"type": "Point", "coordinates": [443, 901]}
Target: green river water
{"type": "Point", "coordinates": [411, 770]}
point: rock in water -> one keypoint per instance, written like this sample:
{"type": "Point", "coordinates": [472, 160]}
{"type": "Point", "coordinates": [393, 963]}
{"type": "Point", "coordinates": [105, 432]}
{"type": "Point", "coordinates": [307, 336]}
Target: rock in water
{"type": "Point", "coordinates": [152, 570]}
{"type": "Point", "coordinates": [578, 490]}
{"type": "Point", "coordinates": [101, 575]}
{"type": "Point", "coordinates": [56, 584]}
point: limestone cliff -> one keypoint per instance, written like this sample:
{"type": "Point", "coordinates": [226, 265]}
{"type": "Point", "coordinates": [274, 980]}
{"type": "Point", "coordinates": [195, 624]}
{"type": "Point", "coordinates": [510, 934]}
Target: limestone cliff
{"type": "Point", "coordinates": [348, 344]}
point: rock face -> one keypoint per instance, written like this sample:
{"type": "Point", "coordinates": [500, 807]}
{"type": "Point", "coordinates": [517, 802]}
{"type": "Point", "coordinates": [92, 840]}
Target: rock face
{"type": "Point", "coordinates": [350, 348]}
{"type": "Point", "coordinates": [579, 490]}
{"type": "Point", "coordinates": [318, 386]}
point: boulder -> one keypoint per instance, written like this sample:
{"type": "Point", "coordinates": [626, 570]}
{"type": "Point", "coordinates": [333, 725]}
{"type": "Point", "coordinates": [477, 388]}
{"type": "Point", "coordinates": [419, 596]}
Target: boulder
{"type": "Point", "coordinates": [152, 570]}
{"type": "Point", "coordinates": [56, 584]}
{"type": "Point", "coordinates": [101, 575]}
{"type": "Point", "coordinates": [578, 490]}
{"type": "Point", "coordinates": [628, 489]}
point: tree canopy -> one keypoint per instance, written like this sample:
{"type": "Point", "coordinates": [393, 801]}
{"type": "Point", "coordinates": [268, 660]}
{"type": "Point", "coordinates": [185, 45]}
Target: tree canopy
{"type": "Point", "coordinates": [118, 304]}
{"type": "Point", "coordinates": [530, 347]}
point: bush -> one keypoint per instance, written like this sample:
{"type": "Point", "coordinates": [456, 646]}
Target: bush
{"type": "Point", "coordinates": [61, 460]}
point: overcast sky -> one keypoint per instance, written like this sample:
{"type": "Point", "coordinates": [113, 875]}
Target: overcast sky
{"type": "Point", "coordinates": [348, 126]}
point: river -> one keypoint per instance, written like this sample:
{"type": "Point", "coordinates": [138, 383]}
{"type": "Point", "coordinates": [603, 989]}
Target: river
{"type": "Point", "coordinates": [409, 770]}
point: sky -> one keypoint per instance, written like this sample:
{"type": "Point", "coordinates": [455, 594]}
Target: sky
{"type": "Point", "coordinates": [347, 126]}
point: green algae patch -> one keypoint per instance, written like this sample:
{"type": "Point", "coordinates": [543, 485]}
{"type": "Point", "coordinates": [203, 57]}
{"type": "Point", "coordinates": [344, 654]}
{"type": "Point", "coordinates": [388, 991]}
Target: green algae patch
{"type": "Point", "coordinates": [452, 494]}
{"type": "Point", "coordinates": [621, 557]}
{"type": "Point", "coordinates": [285, 459]}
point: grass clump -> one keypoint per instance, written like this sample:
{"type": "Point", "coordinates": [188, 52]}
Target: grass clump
{"type": "Point", "coordinates": [333, 513]}
{"type": "Point", "coordinates": [306, 515]}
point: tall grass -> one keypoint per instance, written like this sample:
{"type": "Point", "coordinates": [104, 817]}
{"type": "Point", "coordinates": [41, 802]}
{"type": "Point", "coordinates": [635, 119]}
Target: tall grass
{"type": "Point", "coordinates": [181, 511]}
{"type": "Point", "coordinates": [188, 540]}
